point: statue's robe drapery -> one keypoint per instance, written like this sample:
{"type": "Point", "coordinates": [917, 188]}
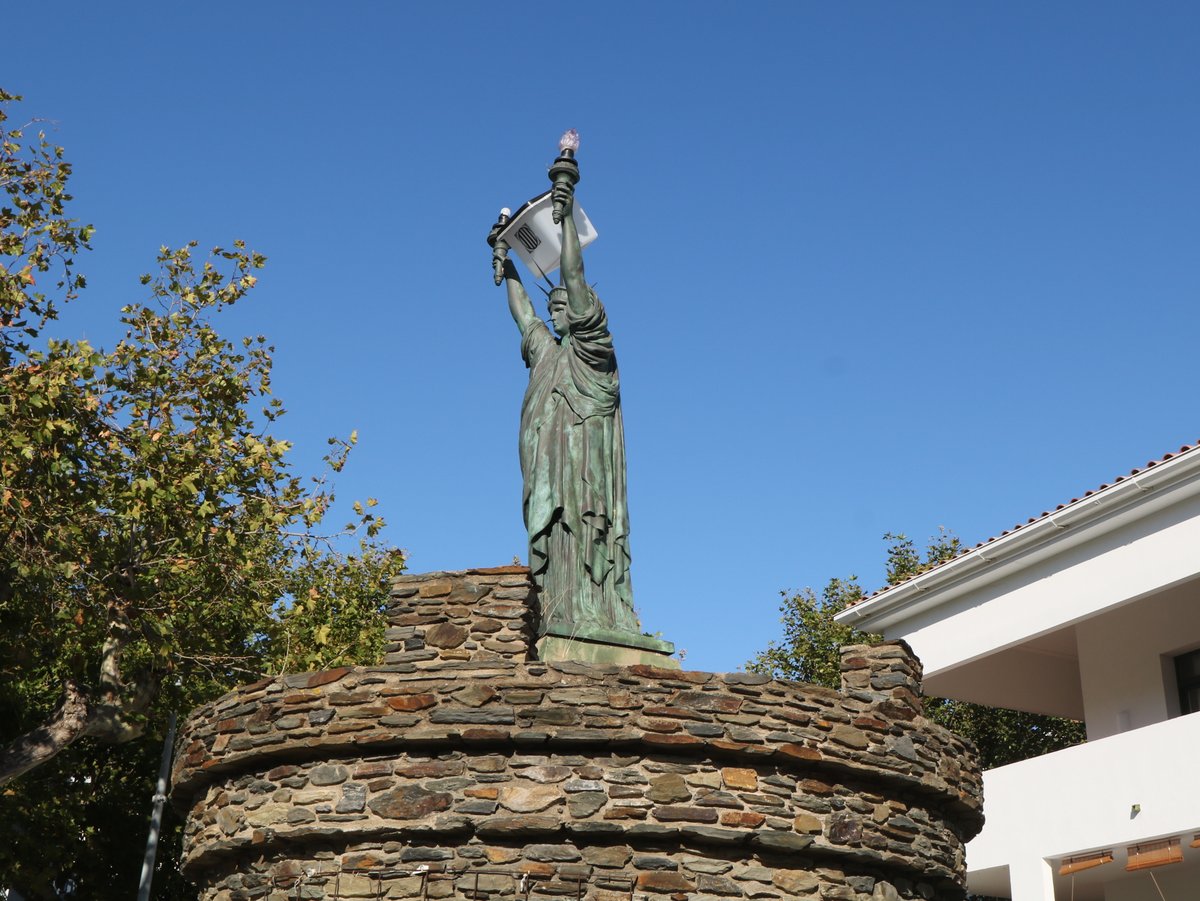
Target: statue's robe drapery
{"type": "Point", "coordinates": [573, 464]}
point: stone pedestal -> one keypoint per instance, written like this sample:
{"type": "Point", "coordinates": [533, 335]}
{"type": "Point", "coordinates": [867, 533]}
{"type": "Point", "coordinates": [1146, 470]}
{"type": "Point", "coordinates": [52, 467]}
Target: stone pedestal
{"type": "Point", "coordinates": [605, 646]}
{"type": "Point", "coordinates": [480, 613]}
{"type": "Point", "coordinates": [493, 777]}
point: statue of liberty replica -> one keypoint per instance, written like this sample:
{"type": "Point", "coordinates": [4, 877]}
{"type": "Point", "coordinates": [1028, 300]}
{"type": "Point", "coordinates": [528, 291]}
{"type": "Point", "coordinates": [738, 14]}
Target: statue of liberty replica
{"type": "Point", "coordinates": [572, 440]}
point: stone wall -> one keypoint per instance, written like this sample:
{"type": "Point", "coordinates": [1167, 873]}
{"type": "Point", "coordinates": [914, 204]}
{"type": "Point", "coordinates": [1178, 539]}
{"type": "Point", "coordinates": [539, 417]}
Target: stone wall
{"type": "Point", "coordinates": [463, 615]}
{"type": "Point", "coordinates": [488, 776]}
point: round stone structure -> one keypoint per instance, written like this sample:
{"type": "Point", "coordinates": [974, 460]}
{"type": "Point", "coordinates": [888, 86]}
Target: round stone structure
{"type": "Point", "coordinates": [496, 778]}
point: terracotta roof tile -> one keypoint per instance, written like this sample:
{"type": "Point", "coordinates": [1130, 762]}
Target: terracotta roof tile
{"type": "Point", "coordinates": [1187, 448]}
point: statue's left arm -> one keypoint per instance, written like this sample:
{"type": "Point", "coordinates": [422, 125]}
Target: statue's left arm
{"type": "Point", "coordinates": [591, 341]}
{"type": "Point", "coordinates": [579, 298]}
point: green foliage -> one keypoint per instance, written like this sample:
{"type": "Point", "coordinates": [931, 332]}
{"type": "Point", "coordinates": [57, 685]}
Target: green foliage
{"type": "Point", "coordinates": [76, 826]}
{"type": "Point", "coordinates": [37, 241]}
{"type": "Point", "coordinates": [333, 614]}
{"type": "Point", "coordinates": [811, 638]}
{"type": "Point", "coordinates": [1004, 736]}
{"type": "Point", "coordinates": [809, 652]}
{"type": "Point", "coordinates": [154, 536]}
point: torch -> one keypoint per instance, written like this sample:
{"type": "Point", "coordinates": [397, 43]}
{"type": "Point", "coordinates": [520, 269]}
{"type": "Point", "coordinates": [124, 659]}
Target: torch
{"type": "Point", "coordinates": [499, 247]}
{"type": "Point", "coordinates": [565, 170]}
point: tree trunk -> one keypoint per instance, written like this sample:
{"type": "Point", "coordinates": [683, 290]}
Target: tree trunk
{"type": "Point", "coordinates": [114, 715]}
{"type": "Point", "coordinates": [68, 723]}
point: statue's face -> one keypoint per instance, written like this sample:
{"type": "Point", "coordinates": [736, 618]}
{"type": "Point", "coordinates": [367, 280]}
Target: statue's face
{"type": "Point", "coordinates": [558, 315]}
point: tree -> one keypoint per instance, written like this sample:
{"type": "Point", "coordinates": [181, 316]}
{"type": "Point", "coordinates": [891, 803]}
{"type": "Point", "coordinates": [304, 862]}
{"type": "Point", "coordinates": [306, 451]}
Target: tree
{"type": "Point", "coordinates": [157, 546]}
{"type": "Point", "coordinates": [809, 652]}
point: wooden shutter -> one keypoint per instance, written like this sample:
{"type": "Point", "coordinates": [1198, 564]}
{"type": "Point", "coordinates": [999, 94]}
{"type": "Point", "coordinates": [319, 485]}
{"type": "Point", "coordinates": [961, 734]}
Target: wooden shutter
{"type": "Point", "coordinates": [1084, 862]}
{"type": "Point", "coordinates": [1154, 854]}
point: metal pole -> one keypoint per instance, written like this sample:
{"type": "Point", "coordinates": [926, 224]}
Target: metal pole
{"type": "Point", "coordinates": [160, 797]}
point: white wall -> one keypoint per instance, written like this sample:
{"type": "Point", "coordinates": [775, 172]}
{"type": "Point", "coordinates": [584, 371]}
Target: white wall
{"type": "Point", "coordinates": [1080, 799]}
{"type": "Point", "coordinates": [1175, 880]}
{"type": "Point", "coordinates": [1042, 682]}
{"type": "Point", "coordinates": [1121, 661]}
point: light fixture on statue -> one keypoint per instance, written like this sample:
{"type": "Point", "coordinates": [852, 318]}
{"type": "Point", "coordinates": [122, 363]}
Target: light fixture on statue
{"type": "Point", "coordinates": [564, 170]}
{"type": "Point", "coordinates": [534, 231]}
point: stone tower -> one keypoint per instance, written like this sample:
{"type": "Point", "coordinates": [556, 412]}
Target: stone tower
{"type": "Point", "coordinates": [462, 768]}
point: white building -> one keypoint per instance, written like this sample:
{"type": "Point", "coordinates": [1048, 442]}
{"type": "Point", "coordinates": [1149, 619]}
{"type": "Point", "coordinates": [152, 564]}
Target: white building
{"type": "Point", "coordinates": [1091, 611]}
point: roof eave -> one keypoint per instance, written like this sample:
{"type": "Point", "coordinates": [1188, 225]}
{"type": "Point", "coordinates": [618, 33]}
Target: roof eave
{"type": "Point", "coordinates": [1128, 499]}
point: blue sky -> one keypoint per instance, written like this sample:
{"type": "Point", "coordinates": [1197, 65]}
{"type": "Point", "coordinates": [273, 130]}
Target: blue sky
{"type": "Point", "coordinates": [869, 267]}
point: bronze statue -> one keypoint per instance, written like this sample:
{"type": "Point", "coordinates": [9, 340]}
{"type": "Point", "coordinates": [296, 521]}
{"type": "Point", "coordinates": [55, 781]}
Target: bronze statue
{"type": "Point", "coordinates": [572, 444]}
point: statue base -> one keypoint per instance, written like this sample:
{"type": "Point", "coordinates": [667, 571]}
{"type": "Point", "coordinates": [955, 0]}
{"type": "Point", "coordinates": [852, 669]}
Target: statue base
{"type": "Point", "coordinates": [605, 646]}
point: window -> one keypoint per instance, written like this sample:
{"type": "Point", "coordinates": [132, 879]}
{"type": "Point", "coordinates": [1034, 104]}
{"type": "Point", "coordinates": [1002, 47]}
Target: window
{"type": "Point", "coordinates": [1187, 677]}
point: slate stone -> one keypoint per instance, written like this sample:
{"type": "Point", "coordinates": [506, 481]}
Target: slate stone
{"type": "Point", "coordinates": [328, 774]}
{"type": "Point", "coordinates": [780, 841]}
{"type": "Point", "coordinates": [399, 719]}
{"type": "Point", "coordinates": [718, 799]}
{"type": "Point", "coordinates": [475, 695]}
{"type": "Point", "coordinates": [410, 703]}
{"type": "Point", "coordinates": [551, 716]}
{"type": "Point", "coordinates": [481, 716]}
{"type": "Point", "coordinates": [796, 882]}
{"type": "Point", "coordinates": [480, 806]}
{"type": "Point", "coordinates": [625, 776]}
{"type": "Point", "coordinates": [354, 798]}
{"type": "Point", "coordinates": [713, 835]}
{"type": "Point", "coordinates": [527, 825]}
{"type": "Point", "coordinates": [529, 798]}
{"type": "Point", "coordinates": [746, 819]}
{"type": "Point", "coordinates": [668, 788]}
{"type": "Point", "coordinates": [552, 853]}
{"type": "Point", "coordinates": [708, 865]}
{"type": "Point", "coordinates": [740, 778]}
{"type": "Point", "coordinates": [745, 679]}
{"type": "Point", "coordinates": [708, 701]}
{"type": "Point", "coordinates": [625, 813]}
{"type": "Point", "coordinates": [903, 747]}
{"type": "Point", "coordinates": [545, 774]}
{"type": "Point", "coordinates": [584, 804]}
{"type": "Point", "coordinates": [653, 862]}
{"type": "Point", "coordinates": [583, 785]}
{"type": "Point", "coordinates": [422, 854]}
{"type": "Point", "coordinates": [718, 885]}
{"type": "Point", "coordinates": [610, 857]}
{"type": "Point", "coordinates": [409, 802]}
{"type": "Point", "coordinates": [665, 882]}
{"type": "Point", "coordinates": [227, 820]}
{"type": "Point", "coordinates": [670, 814]}
{"type": "Point", "coordinates": [421, 769]}
{"type": "Point", "coordinates": [625, 791]}
{"type": "Point", "coordinates": [807, 823]}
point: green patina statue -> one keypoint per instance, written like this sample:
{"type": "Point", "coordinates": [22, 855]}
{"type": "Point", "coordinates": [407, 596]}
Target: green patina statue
{"type": "Point", "coordinates": [573, 451]}
{"type": "Point", "coordinates": [572, 445]}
